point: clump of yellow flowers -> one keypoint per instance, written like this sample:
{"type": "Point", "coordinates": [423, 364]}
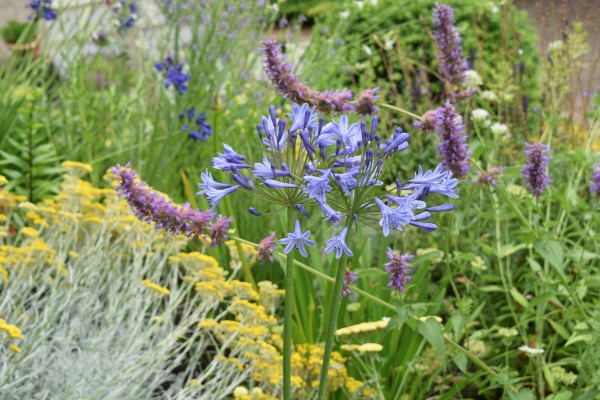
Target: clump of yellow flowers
{"type": "Point", "coordinates": [108, 295]}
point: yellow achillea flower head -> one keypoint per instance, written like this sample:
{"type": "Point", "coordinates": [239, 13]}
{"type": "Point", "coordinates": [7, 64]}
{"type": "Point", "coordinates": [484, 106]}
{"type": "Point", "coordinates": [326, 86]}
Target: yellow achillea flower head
{"type": "Point", "coordinates": [14, 348]}
{"type": "Point", "coordinates": [76, 167]}
{"type": "Point", "coordinates": [156, 288]}
{"type": "Point", "coordinates": [362, 327]}
{"type": "Point", "coordinates": [363, 348]}
{"type": "Point", "coordinates": [31, 232]}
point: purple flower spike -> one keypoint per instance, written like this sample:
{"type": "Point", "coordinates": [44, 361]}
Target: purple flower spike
{"type": "Point", "coordinates": [152, 206]}
{"type": "Point", "coordinates": [453, 144]}
{"type": "Point", "coordinates": [349, 277]}
{"type": "Point", "coordinates": [397, 269]}
{"type": "Point", "coordinates": [289, 86]}
{"type": "Point", "coordinates": [338, 243]}
{"type": "Point", "coordinates": [266, 247]}
{"type": "Point", "coordinates": [595, 183]}
{"type": "Point", "coordinates": [448, 40]}
{"type": "Point", "coordinates": [298, 240]}
{"type": "Point", "coordinates": [219, 228]}
{"type": "Point", "coordinates": [534, 172]}
{"type": "Point", "coordinates": [488, 178]}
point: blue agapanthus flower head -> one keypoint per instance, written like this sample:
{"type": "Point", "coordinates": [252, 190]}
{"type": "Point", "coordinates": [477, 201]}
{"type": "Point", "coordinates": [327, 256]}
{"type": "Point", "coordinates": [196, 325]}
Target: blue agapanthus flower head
{"type": "Point", "coordinates": [195, 124]}
{"type": "Point", "coordinates": [335, 169]}
{"type": "Point", "coordinates": [42, 9]}
{"type": "Point", "coordinates": [173, 75]}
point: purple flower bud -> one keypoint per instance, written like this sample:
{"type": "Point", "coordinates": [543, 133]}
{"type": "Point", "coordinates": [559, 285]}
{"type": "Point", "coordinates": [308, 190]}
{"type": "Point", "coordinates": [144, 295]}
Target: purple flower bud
{"type": "Point", "coordinates": [273, 184]}
{"type": "Point", "coordinates": [302, 210]}
{"type": "Point", "coordinates": [254, 212]}
{"type": "Point", "coordinates": [266, 248]}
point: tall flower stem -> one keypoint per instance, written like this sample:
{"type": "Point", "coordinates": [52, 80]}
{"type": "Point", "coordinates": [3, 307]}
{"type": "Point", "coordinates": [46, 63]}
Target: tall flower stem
{"type": "Point", "coordinates": [288, 314]}
{"type": "Point", "coordinates": [336, 300]}
{"type": "Point", "coordinates": [400, 110]}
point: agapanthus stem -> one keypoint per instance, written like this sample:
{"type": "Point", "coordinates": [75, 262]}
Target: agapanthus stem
{"type": "Point", "coordinates": [336, 300]}
{"type": "Point", "coordinates": [288, 314]}
{"type": "Point", "coordinates": [400, 110]}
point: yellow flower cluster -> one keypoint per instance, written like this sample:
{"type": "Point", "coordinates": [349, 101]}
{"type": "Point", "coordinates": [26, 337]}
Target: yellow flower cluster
{"type": "Point", "coordinates": [155, 287]}
{"type": "Point", "coordinates": [13, 332]}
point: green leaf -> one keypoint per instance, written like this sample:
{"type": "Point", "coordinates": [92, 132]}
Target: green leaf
{"type": "Point", "coordinates": [507, 250]}
{"type": "Point", "coordinates": [561, 330]}
{"type": "Point", "coordinates": [519, 297]}
{"type": "Point", "coordinates": [552, 252]}
{"type": "Point", "coordinates": [461, 362]}
{"type": "Point", "coordinates": [431, 330]}
{"type": "Point", "coordinates": [562, 395]}
{"type": "Point", "coordinates": [523, 394]}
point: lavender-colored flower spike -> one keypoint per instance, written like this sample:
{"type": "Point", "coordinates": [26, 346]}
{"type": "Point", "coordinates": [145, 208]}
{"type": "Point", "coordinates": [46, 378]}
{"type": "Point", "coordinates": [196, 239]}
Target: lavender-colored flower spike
{"type": "Point", "coordinates": [151, 206]}
{"type": "Point", "coordinates": [453, 144]}
{"type": "Point", "coordinates": [534, 171]}
{"type": "Point", "coordinates": [595, 183]}
{"type": "Point", "coordinates": [488, 178]}
{"type": "Point", "coordinates": [448, 40]}
{"type": "Point", "coordinates": [219, 228]}
{"type": "Point", "coordinates": [297, 239]}
{"type": "Point", "coordinates": [266, 247]}
{"type": "Point", "coordinates": [338, 243]}
{"type": "Point", "coordinates": [397, 269]}
{"type": "Point", "coordinates": [288, 85]}
{"type": "Point", "coordinates": [349, 277]}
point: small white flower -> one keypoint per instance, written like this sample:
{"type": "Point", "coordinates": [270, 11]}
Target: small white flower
{"type": "Point", "coordinates": [530, 350]}
{"type": "Point", "coordinates": [367, 50]}
{"type": "Point", "coordinates": [374, 3]}
{"type": "Point", "coordinates": [499, 129]}
{"type": "Point", "coordinates": [345, 14]}
{"type": "Point", "coordinates": [489, 95]}
{"type": "Point", "coordinates": [360, 4]}
{"type": "Point", "coordinates": [520, 52]}
{"type": "Point", "coordinates": [479, 115]}
{"type": "Point", "coordinates": [495, 9]}
{"type": "Point", "coordinates": [472, 78]}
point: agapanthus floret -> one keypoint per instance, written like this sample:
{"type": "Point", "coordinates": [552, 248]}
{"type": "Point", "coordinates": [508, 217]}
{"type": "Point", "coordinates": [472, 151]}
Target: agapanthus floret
{"type": "Point", "coordinates": [267, 170]}
{"type": "Point", "coordinates": [298, 240]}
{"type": "Point", "coordinates": [393, 218]}
{"type": "Point", "coordinates": [331, 215]}
{"type": "Point", "coordinates": [303, 117]}
{"type": "Point", "coordinates": [398, 142]}
{"type": "Point", "coordinates": [338, 244]}
{"type": "Point", "coordinates": [151, 206]}
{"type": "Point", "coordinates": [229, 160]}
{"type": "Point", "coordinates": [318, 186]}
{"type": "Point", "coordinates": [436, 181]}
{"type": "Point", "coordinates": [173, 75]}
{"type": "Point", "coordinates": [448, 41]}
{"type": "Point", "coordinates": [595, 182]}
{"type": "Point", "coordinates": [213, 190]}
{"type": "Point", "coordinates": [349, 277]}
{"type": "Point", "coordinates": [453, 146]}
{"type": "Point", "coordinates": [534, 171]}
{"type": "Point", "coordinates": [348, 135]}
{"type": "Point", "coordinates": [397, 269]}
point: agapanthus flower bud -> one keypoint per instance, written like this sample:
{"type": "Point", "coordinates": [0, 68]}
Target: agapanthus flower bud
{"type": "Point", "coordinates": [397, 269]}
{"type": "Point", "coordinates": [488, 178]}
{"type": "Point", "coordinates": [266, 248]}
{"type": "Point", "coordinates": [152, 206]}
{"type": "Point", "coordinates": [453, 144]}
{"type": "Point", "coordinates": [595, 182]}
{"type": "Point", "coordinates": [289, 86]}
{"type": "Point", "coordinates": [534, 171]}
{"type": "Point", "coordinates": [349, 277]}
{"type": "Point", "coordinates": [448, 41]}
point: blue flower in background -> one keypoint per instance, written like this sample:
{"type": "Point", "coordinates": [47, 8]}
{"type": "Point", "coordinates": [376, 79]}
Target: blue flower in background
{"type": "Point", "coordinates": [42, 9]}
{"type": "Point", "coordinates": [195, 124]}
{"type": "Point", "coordinates": [173, 74]}
{"type": "Point", "coordinates": [297, 239]}
{"type": "Point", "coordinates": [127, 14]}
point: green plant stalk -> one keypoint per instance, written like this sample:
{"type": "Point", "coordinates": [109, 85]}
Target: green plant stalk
{"type": "Point", "coordinates": [288, 315]}
{"type": "Point", "coordinates": [336, 300]}
{"type": "Point", "coordinates": [400, 110]}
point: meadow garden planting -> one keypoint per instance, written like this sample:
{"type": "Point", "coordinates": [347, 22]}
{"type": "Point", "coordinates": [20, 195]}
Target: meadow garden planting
{"type": "Point", "coordinates": [219, 199]}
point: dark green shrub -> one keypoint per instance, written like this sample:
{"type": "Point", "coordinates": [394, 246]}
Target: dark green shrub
{"type": "Point", "coordinates": [14, 29]}
{"type": "Point", "coordinates": [391, 45]}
